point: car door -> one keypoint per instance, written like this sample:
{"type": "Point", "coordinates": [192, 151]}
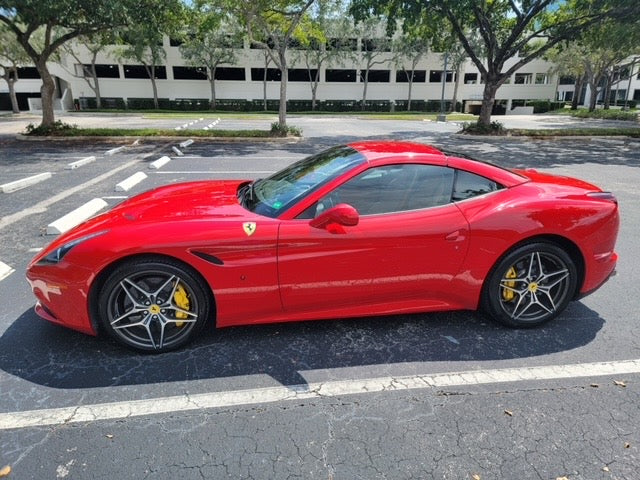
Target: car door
{"type": "Point", "coordinates": [409, 242]}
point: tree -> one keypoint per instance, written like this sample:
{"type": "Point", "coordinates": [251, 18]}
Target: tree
{"type": "Point", "coordinates": [376, 49]}
{"type": "Point", "coordinates": [143, 43]}
{"type": "Point", "coordinates": [601, 48]}
{"type": "Point", "coordinates": [210, 42]}
{"type": "Point", "coordinates": [411, 47]}
{"type": "Point", "coordinates": [567, 61]}
{"type": "Point", "coordinates": [12, 55]}
{"type": "Point", "coordinates": [323, 39]}
{"type": "Point", "coordinates": [64, 20]}
{"type": "Point", "coordinates": [271, 24]}
{"type": "Point", "coordinates": [94, 44]}
{"type": "Point", "coordinates": [506, 28]}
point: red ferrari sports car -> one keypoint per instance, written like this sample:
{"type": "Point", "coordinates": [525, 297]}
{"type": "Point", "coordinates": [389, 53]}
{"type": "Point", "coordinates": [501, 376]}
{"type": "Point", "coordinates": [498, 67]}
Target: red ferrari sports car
{"type": "Point", "coordinates": [369, 228]}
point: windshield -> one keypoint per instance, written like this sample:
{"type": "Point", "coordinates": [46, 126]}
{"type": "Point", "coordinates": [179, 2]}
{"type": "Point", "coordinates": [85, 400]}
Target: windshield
{"type": "Point", "coordinates": [275, 194]}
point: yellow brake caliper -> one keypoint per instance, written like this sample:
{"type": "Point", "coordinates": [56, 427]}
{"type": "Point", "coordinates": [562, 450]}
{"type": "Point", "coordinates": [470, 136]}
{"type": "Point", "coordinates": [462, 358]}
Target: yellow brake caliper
{"type": "Point", "coordinates": [507, 293]}
{"type": "Point", "coordinates": [182, 301]}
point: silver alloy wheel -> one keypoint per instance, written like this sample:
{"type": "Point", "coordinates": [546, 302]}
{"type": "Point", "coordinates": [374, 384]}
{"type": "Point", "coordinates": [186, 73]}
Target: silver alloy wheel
{"type": "Point", "coordinates": [153, 306]}
{"type": "Point", "coordinates": [530, 285]}
{"type": "Point", "coordinates": [538, 289]}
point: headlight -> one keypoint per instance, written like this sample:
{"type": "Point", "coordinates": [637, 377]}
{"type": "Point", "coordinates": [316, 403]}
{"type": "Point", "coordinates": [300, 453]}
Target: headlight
{"type": "Point", "coordinates": [58, 254]}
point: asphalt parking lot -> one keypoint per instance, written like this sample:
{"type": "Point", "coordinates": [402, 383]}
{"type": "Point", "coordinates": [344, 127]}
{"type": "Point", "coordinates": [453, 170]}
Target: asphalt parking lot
{"type": "Point", "coordinates": [411, 396]}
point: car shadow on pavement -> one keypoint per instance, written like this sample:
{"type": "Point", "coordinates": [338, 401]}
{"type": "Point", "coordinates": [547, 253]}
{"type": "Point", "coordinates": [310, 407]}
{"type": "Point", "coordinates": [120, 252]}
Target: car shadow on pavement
{"type": "Point", "coordinates": [48, 355]}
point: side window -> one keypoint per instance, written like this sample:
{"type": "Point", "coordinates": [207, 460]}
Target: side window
{"type": "Point", "coordinates": [469, 185]}
{"type": "Point", "coordinates": [391, 188]}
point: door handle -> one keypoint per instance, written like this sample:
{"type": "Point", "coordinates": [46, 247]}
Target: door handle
{"type": "Point", "coordinates": [457, 236]}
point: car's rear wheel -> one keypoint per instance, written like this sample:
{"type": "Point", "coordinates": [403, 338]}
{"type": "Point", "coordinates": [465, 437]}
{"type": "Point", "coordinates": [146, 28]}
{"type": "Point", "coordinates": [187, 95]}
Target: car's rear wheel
{"type": "Point", "coordinates": [530, 285]}
{"type": "Point", "coordinates": [153, 306]}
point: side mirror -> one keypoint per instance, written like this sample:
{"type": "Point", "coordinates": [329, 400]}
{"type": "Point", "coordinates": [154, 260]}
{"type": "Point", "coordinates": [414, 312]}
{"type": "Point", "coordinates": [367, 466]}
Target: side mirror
{"type": "Point", "coordinates": [343, 215]}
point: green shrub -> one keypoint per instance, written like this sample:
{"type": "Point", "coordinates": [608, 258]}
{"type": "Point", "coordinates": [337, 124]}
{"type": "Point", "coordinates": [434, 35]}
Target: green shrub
{"type": "Point", "coordinates": [58, 127]}
{"type": "Point", "coordinates": [606, 114]}
{"type": "Point", "coordinates": [278, 130]}
{"type": "Point", "coordinates": [494, 128]}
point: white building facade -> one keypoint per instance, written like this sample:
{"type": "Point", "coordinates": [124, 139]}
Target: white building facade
{"type": "Point", "coordinates": [124, 83]}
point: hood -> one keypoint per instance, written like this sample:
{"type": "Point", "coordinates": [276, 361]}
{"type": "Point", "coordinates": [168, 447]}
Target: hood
{"type": "Point", "coordinates": [214, 198]}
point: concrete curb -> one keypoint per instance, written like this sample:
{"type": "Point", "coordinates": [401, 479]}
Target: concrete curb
{"type": "Point", "coordinates": [159, 163]}
{"type": "Point", "coordinates": [583, 138]}
{"type": "Point", "coordinates": [76, 216]}
{"type": "Point", "coordinates": [131, 138]}
{"type": "Point", "coordinates": [113, 151]}
{"type": "Point", "coordinates": [129, 183]}
{"type": "Point", "coordinates": [79, 163]}
{"type": "Point", "coordinates": [24, 182]}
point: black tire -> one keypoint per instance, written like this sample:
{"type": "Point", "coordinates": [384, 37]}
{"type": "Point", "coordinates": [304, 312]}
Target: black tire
{"type": "Point", "coordinates": [530, 285]}
{"type": "Point", "coordinates": [153, 305]}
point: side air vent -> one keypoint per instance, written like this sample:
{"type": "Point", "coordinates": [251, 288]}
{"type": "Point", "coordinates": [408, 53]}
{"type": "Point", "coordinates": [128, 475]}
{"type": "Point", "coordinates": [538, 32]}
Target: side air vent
{"type": "Point", "coordinates": [208, 258]}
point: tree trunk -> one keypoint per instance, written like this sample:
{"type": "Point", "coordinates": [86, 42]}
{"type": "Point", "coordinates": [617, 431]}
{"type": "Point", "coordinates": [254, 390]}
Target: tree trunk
{"type": "Point", "coordinates": [607, 91]}
{"type": "Point", "coordinates": [12, 93]}
{"type": "Point", "coordinates": [454, 98]}
{"type": "Point", "coordinates": [314, 89]}
{"type": "Point", "coordinates": [364, 89]}
{"type": "Point", "coordinates": [488, 99]}
{"type": "Point", "coordinates": [577, 91]}
{"type": "Point", "coordinates": [409, 94]}
{"type": "Point", "coordinates": [264, 83]}
{"type": "Point", "coordinates": [593, 98]}
{"type": "Point", "coordinates": [96, 83]}
{"type": "Point", "coordinates": [156, 104]}
{"type": "Point", "coordinates": [97, 91]}
{"type": "Point", "coordinates": [212, 83]}
{"type": "Point", "coordinates": [46, 93]}
{"type": "Point", "coordinates": [282, 111]}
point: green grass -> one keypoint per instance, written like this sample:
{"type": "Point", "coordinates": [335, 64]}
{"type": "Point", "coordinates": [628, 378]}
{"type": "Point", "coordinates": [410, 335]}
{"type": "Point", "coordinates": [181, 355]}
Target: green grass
{"type": "Point", "coordinates": [154, 132]}
{"type": "Point", "coordinates": [577, 132]}
{"type": "Point", "coordinates": [599, 113]}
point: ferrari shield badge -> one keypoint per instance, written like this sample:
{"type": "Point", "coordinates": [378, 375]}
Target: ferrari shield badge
{"type": "Point", "coordinates": [249, 228]}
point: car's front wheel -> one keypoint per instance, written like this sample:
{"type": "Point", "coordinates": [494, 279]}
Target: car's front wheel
{"type": "Point", "coordinates": [530, 285]}
{"type": "Point", "coordinates": [153, 305]}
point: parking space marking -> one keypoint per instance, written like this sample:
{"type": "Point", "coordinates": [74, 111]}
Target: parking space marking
{"type": "Point", "coordinates": [42, 206]}
{"type": "Point", "coordinates": [335, 388]}
{"type": "Point", "coordinates": [5, 270]}
{"type": "Point", "coordinates": [24, 182]}
{"type": "Point", "coordinates": [75, 217]}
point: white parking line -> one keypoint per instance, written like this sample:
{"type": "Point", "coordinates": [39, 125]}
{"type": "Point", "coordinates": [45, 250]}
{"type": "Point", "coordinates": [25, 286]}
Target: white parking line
{"type": "Point", "coordinates": [337, 388]}
{"type": "Point", "coordinates": [43, 205]}
{"type": "Point", "coordinates": [5, 270]}
{"type": "Point", "coordinates": [24, 182]}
